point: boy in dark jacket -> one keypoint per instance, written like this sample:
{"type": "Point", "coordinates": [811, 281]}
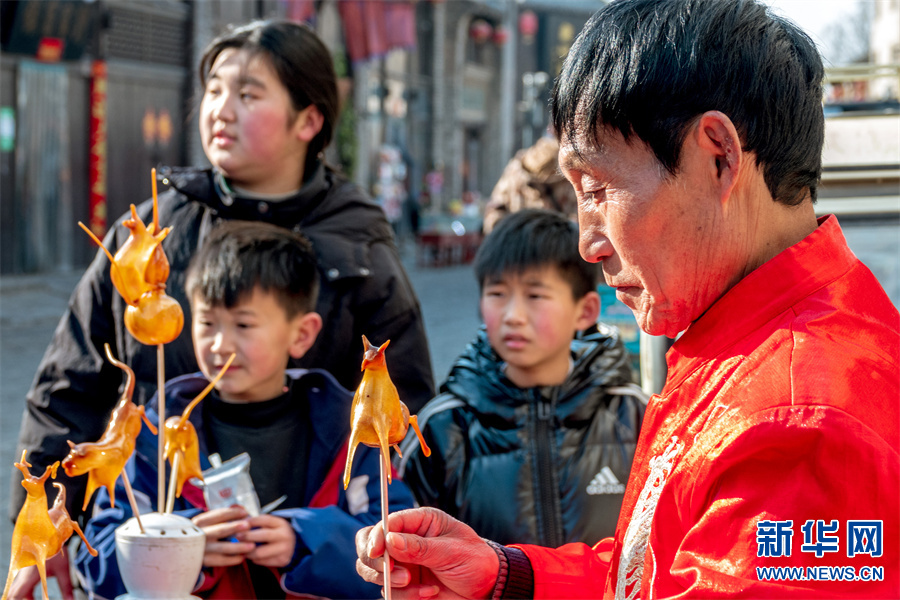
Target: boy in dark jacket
{"type": "Point", "coordinates": [253, 290]}
{"type": "Point", "coordinates": [533, 434]}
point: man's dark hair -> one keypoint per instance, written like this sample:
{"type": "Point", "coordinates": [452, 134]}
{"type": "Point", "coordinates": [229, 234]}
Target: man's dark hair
{"type": "Point", "coordinates": [651, 67]}
{"type": "Point", "coordinates": [303, 65]}
{"type": "Point", "coordinates": [239, 256]}
{"type": "Point", "coordinates": [535, 238]}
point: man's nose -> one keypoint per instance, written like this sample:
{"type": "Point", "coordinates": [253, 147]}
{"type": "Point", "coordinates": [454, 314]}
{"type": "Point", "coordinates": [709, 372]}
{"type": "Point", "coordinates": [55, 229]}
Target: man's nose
{"type": "Point", "coordinates": [593, 245]}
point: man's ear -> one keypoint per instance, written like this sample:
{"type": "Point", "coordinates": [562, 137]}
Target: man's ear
{"type": "Point", "coordinates": [305, 328]}
{"type": "Point", "coordinates": [720, 149]}
{"type": "Point", "coordinates": [588, 311]}
{"type": "Point", "coordinates": [309, 123]}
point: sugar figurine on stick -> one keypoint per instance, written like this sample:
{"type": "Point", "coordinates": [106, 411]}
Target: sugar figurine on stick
{"type": "Point", "coordinates": [182, 447]}
{"type": "Point", "coordinates": [379, 419]}
{"type": "Point", "coordinates": [40, 533]}
{"type": "Point", "coordinates": [139, 271]}
{"type": "Point", "coordinates": [104, 460]}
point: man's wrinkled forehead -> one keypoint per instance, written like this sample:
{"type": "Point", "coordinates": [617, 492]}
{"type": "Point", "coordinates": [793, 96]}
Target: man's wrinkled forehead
{"type": "Point", "coordinates": [580, 144]}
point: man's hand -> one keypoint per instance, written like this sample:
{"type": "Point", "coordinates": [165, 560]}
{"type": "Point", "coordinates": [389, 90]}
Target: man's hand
{"type": "Point", "coordinates": [274, 538]}
{"type": "Point", "coordinates": [222, 526]}
{"type": "Point", "coordinates": [28, 578]}
{"type": "Point", "coordinates": [432, 554]}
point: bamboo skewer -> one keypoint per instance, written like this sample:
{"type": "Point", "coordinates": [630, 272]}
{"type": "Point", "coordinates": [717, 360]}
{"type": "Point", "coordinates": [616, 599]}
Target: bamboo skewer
{"type": "Point", "coordinates": [161, 446]}
{"type": "Point", "coordinates": [385, 464]}
{"type": "Point", "coordinates": [160, 381]}
{"type": "Point", "coordinates": [132, 501]}
{"type": "Point", "coordinates": [173, 482]}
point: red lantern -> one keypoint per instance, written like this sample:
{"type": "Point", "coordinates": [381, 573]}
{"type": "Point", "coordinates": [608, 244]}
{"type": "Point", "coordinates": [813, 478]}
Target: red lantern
{"type": "Point", "coordinates": [501, 35]}
{"type": "Point", "coordinates": [480, 31]}
{"type": "Point", "coordinates": [528, 25]}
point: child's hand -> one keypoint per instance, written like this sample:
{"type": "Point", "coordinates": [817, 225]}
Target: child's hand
{"type": "Point", "coordinates": [221, 526]}
{"type": "Point", "coordinates": [274, 538]}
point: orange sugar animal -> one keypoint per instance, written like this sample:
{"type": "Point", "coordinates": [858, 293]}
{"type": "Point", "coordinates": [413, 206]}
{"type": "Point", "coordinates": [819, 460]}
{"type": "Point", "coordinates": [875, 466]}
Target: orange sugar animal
{"type": "Point", "coordinates": [40, 533]}
{"type": "Point", "coordinates": [181, 437]}
{"type": "Point", "coordinates": [139, 271]}
{"type": "Point", "coordinates": [105, 459]}
{"type": "Point", "coordinates": [377, 417]}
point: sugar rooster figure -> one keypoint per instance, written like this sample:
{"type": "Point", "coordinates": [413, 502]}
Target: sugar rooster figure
{"type": "Point", "coordinates": [182, 447]}
{"type": "Point", "coordinates": [377, 416]}
{"type": "Point", "coordinates": [139, 271]}
{"type": "Point", "coordinates": [105, 459]}
{"type": "Point", "coordinates": [379, 419]}
{"type": "Point", "coordinates": [39, 533]}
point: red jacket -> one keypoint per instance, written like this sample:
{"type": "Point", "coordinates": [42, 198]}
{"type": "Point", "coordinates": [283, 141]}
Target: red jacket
{"type": "Point", "coordinates": [773, 444]}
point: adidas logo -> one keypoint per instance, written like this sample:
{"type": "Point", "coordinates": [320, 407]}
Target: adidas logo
{"type": "Point", "coordinates": [605, 482]}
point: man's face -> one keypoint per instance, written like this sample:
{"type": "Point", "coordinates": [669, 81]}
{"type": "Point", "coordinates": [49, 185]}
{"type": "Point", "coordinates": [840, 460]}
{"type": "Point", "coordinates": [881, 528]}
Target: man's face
{"type": "Point", "coordinates": [660, 237]}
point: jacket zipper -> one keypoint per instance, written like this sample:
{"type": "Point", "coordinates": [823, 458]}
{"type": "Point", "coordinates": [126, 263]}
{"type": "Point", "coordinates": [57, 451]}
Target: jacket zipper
{"type": "Point", "coordinates": [547, 487]}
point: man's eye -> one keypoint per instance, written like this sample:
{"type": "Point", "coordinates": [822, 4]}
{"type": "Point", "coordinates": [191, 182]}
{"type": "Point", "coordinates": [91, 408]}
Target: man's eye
{"type": "Point", "coordinates": [593, 196]}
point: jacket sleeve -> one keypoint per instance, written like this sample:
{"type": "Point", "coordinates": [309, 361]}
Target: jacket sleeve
{"type": "Point", "coordinates": [325, 559]}
{"type": "Point", "coordinates": [434, 480]}
{"type": "Point", "coordinates": [777, 468]}
{"type": "Point", "coordinates": [75, 388]}
{"type": "Point", "coordinates": [573, 571]}
{"type": "Point", "coordinates": [100, 574]}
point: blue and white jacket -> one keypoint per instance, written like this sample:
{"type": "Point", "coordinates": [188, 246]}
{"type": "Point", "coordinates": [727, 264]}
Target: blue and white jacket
{"type": "Point", "coordinates": [324, 562]}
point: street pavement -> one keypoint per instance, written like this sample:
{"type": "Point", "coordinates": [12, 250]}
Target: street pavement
{"type": "Point", "coordinates": [30, 307]}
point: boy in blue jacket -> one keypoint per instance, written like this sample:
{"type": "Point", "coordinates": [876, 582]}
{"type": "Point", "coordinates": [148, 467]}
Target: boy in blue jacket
{"type": "Point", "coordinates": [252, 289]}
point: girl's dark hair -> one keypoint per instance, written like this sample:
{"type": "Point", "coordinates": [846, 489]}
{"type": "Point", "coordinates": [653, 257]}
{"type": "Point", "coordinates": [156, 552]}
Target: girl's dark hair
{"type": "Point", "coordinates": [535, 238]}
{"type": "Point", "coordinates": [303, 65]}
{"type": "Point", "coordinates": [239, 256]}
{"type": "Point", "coordinates": [650, 67]}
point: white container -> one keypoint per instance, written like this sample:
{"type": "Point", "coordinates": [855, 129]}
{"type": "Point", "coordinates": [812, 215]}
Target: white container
{"type": "Point", "coordinates": [162, 562]}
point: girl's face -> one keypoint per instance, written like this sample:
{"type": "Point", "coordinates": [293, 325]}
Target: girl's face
{"type": "Point", "coordinates": [248, 126]}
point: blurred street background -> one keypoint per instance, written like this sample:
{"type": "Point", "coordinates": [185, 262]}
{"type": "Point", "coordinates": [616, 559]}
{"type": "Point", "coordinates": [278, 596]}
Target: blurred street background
{"type": "Point", "coordinates": [438, 97]}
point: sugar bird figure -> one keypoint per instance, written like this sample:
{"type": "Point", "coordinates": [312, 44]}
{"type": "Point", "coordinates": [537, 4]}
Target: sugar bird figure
{"type": "Point", "coordinates": [377, 416]}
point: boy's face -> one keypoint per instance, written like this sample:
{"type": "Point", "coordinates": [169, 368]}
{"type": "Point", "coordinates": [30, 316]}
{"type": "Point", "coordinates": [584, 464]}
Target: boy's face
{"type": "Point", "coordinates": [258, 331]}
{"type": "Point", "coordinates": [531, 318]}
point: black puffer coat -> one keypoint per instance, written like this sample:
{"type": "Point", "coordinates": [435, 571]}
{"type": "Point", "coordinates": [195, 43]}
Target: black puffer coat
{"type": "Point", "coordinates": [541, 466]}
{"type": "Point", "coordinates": [364, 290]}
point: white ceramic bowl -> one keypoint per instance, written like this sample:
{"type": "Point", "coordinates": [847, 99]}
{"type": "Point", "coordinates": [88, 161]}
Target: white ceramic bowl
{"type": "Point", "coordinates": [162, 562]}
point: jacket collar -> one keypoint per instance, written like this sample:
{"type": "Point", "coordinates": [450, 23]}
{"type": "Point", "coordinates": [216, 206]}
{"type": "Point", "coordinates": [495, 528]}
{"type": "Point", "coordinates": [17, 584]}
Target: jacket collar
{"type": "Point", "coordinates": [329, 407]}
{"type": "Point", "coordinates": [339, 220]}
{"type": "Point", "coordinates": [770, 290]}
{"type": "Point", "coordinates": [477, 376]}
{"type": "Point", "coordinates": [208, 189]}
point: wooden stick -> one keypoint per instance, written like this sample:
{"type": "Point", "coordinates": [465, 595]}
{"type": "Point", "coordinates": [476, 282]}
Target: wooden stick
{"type": "Point", "coordinates": [161, 452]}
{"type": "Point", "coordinates": [173, 482]}
{"type": "Point", "coordinates": [385, 464]}
{"type": "Point", "coordinates": [155, 202]}
{"type": "Point", "coordinates": [131, 500]}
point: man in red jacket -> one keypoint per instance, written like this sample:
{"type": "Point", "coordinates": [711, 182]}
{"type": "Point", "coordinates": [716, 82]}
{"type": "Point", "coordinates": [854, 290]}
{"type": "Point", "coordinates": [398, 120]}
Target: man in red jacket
{"type": "Point", "coordinates": [692, 132]}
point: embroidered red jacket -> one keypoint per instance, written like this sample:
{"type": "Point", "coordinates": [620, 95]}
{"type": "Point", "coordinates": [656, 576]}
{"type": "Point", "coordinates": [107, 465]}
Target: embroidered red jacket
{"type": "Point", "coordinates": [774, 444]}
